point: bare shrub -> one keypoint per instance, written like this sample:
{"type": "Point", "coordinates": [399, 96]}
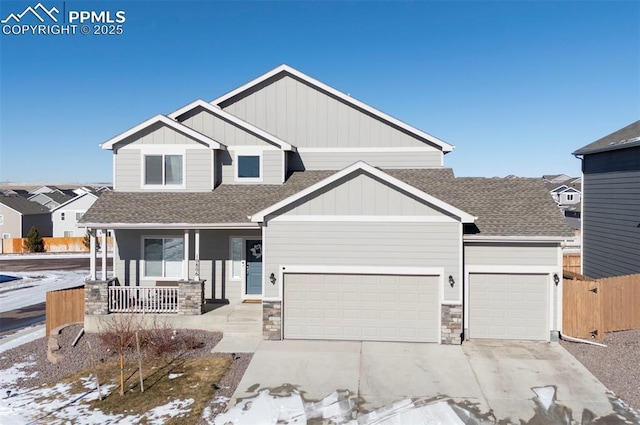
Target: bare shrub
{"type": "Point", "coordinates": [119, 335]}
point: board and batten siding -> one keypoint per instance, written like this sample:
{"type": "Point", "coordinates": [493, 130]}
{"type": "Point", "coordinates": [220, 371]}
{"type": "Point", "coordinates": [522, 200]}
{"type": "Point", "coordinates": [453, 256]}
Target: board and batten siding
{"type": "Point", "coordinates": [220, 130]}
{"type": "Point", "coordinates": [294, 111]}
{"type": "Point", "coordinates": [271, 166]}
{"type": "Point", "coordinates": [611, 213]}
{"type": "Point", "coordinates": [214, 260]}
{"type": "Point", "coordinates": [337, 160]}
{"type": "Point", "coordinates": [388, 244]}
{"type": "Point", "coordinates": [361, 195]}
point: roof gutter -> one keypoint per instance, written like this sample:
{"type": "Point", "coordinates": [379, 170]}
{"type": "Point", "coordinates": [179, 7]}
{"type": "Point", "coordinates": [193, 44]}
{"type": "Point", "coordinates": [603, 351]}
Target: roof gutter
{"type": "Point", "coordinates": [169, 226]}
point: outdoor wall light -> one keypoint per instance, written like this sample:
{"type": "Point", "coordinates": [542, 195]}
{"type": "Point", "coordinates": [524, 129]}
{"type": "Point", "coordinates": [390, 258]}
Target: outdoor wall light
{"type": "Point", "coordinates": [272, 279]}
{"type": "Point", "coordinates": [451, 281]}
{"type": "Point", "coordinates": [556, 279]}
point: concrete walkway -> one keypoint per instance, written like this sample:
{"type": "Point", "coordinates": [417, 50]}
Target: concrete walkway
{"type": "Point", "coordinates": [241, 325]}
{"type": "Point", "coordinates": [492, 381]}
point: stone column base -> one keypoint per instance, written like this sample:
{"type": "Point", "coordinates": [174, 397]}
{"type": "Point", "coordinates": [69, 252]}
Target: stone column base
{"type": "Point", "coordinates": [272, 320]}
{"type": "Point", "coordinates": [451, 330]}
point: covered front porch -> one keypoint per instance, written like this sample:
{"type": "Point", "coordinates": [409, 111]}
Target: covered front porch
{"type": "Point", "coordinates": [170, 271]}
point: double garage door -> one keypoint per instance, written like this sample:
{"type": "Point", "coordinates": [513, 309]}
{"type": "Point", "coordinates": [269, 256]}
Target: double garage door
{"type": "Point", "coordinates": [509, 306]}
{"type": "Point", "coordinates": [361, 307]}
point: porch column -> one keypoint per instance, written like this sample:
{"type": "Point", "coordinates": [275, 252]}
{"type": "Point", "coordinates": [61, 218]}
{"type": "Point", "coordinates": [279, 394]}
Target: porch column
{"type": "Point", "coordinates": [197, 255]}
{"type": "Point", "coordinates": [104, 254]}
{"type": "Point", "coordinates": [92, 255]}
{"type": "Point", "coordinates": [185, 264]}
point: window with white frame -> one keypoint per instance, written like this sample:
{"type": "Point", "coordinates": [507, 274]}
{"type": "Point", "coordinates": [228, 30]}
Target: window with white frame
{"type": "Point", "coordinates": [163, 170]}
{"type": "Point", "coordinates": [6, 236]}
{"type": "Point", "coordinates": [68, 233]}
{"type": "Point", "coordinates": [79, 215]}
{"type": "Point", "coordinates": [569, 197]}
{"type": "Point", "coordinates": [163, 256]}
{"type": "Point", "coordinates": [236, 258]}
{"type": "Point", "coordinates": [249, 167]}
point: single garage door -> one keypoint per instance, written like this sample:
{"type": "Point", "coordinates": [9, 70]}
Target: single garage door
{"type": "Point", "coordinates": [509, 306]}
{"type": "Point", "coordinates": [361, 307]}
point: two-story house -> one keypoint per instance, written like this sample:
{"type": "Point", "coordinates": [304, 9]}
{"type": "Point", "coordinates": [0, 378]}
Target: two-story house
{"type": "Point", "coordinates": [339, 218]}
{"type": "Point", "coordinates": [611, 203]}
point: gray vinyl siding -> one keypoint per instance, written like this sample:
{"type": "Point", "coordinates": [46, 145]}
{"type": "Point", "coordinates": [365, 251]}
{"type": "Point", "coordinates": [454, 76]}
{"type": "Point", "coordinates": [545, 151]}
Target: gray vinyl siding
{"type": "Point", "coordinates": [221, 130]}
{"type": "Point", "coordinates": [214, 260]}
{"type": "Point", "coordinates": [11, 222]}
{"type": "Point", "coordinates": [514, 254]}
{"type": "Point", "coordinates": [361, 195]}
{"type": "Point", "coordinates": [307, 117]}
{"type": "Point", "coordinates": [271, 166]}
{"type": "Point", "coordinates": [128, 170]}
{"type": "Point", "coordinates": [611, 213]}
{"type": "Point", "coordinates": [363, 244]}
{"type": "Point", "coordinates": [300, 161]}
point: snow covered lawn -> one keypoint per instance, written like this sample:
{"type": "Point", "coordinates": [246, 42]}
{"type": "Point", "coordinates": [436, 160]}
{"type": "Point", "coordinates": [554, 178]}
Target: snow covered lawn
{"type": "Point", "coordinates": [32, 286]}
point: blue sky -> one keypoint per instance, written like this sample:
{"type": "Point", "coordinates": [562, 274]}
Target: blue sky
{"type": "Point", "coordinates": [516, 86]}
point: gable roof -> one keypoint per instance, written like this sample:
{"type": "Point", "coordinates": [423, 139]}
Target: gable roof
{"type": "Point", "coordinates": [287, 70]}
{"type": "Point", "coordinates": [363, 166]}
{"type": "Point", "coordinates": [169, 123]}
{"type": "Point", "coordinates": [624, 138]}
{"type": "Point", "coordinates": [72, 200]}
{"type": "Point", "coordinates": [23, 206]}
{"type": "Point", "coordinates": [217, 111]}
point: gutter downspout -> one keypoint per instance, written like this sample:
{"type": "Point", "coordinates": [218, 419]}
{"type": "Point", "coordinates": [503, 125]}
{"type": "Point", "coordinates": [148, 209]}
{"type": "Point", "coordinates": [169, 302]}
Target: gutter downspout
{"type": "Point", "coordinates": [584, 341]}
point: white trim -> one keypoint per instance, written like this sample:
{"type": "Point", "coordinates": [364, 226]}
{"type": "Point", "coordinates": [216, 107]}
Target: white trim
{"type": "Point", "coordinates": [360, 165]}
{"type": "Point", "coordinates": [461, 282]}
{"type": "Point", "coordinates": [230, 276]}
{"type": "Point", "coordinates": [73, 200]}
{"type": "Point", "coordinates": [104, 255]}
{"type": "Point", "coordinates": [236, 160]}
{"type": "Point", "coordinates": [366, 150]}
{"type": "Point", "coordinates": [559, 290]}
{"type": "Point", "coordinates": [172, 226]}
{"type": "Point", "coordinates": [264, 262]}
{"type": "Point", "coordinates": [283, 167]}
{"type": "Point", "coordinates": [113, 170]}
{"type": "Point", "coordinates": [342, 96]}
{"type": "Point", "coordinates": [582, 208]}
{"type": "Point", "coordinates": [196, 254]}
{"type": "Point", "coordinates": [516, 239]}
{"type": "Point", "coordinates": [181, 128]}
{"type": "Point", "coordinates": [213, 169]}
{"type": "Point", "coordinates": [162, 148]}
{"type": "Point", "coordinates": [185, 252]}
{"type": "Point", "coordinates": [141, 273]}
{"type": "Point", "coordinates": [163, 186]}
{"type": "Point", "coordinates": [215, 110]}
{"type": "Point", "coordinates": [92, 255]}
{"type": "Point", "coordinates": [366, 218]}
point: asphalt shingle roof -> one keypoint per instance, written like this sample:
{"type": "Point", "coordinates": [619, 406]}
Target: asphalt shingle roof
{"type": "Point", "coordinates": [613, 140]}
{"type": "Point", "coordinates": [23, 205]}
{"type": "Point", "coordinates": [504, 207]}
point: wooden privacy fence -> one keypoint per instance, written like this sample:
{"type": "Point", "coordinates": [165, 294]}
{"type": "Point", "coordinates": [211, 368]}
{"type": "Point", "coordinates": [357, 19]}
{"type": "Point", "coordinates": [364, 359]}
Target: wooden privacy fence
{"type": "Point", "coordinates": [59, 244]}
{"type": "Point", "coordinates": [571, 262]}
{"type": "Point", "coordinates": [64, 306]}
{"type": "Point", "coordinates": [592, 307]}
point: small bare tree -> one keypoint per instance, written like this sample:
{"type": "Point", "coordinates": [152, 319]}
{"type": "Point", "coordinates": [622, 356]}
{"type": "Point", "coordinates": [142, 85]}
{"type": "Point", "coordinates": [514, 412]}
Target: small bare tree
{"type": "Point", "coordinates": [119, 335]}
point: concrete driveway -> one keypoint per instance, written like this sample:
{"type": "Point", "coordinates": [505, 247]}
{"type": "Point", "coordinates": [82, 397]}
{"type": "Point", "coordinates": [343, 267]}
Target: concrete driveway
{"type": "Point", "coordinates": [483, 382]}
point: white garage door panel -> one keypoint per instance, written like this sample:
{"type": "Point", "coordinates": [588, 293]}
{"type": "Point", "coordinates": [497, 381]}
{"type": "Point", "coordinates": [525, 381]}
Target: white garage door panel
{"type": "Point", "coordinates": [361, 307]}
{"type": "Point", "coordinates": [507, 306]}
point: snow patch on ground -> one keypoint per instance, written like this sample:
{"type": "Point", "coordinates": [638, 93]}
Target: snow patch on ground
{"type": "Point", "coordinates": [22, 337]}
{"type": "Point", "coordinates": [174, 375]}
{"type": "Point", "coordinates": [32, 288]}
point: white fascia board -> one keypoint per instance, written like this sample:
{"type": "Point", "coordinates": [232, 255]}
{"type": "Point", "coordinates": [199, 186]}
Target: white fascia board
{"type": "Point", "coordinates": [215, 110]}
{"type": "Point", "coordinates": [360, 165]}
{"type": "Point", "coordinates": [181, 128]}
{"type": "Point", "coordinates": [170, 226]}
{"type": "Point", "coordinates": [518, 239]}
{"type": "Point", "coordinates": [346, 98]}
{"type": "Point", "coordinates": [332, 269]}
{"type": "Point", "coordinates": [73, 200]}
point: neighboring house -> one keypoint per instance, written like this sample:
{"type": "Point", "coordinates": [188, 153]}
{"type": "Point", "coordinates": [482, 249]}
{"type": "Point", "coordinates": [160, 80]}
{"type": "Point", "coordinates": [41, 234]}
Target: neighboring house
{"type": "Point", "coordinates": [611, 204]}
{"type": "Point", "coordinates": [65, 217]}
{"type": "Point", "coordinates": [50, 200]}
{"type": "Point", "coordinates": [18, 215]}
{"type": "Point", "coordinates": [556, 178]}
{"type": "Point", "coordinates": [340, 219]}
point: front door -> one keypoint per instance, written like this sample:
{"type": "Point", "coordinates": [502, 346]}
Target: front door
{"type": "Point", "coordinates": [253, 256]}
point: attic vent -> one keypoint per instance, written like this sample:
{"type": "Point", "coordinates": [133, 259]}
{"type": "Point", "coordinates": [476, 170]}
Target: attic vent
{"type": "Point", "coordinates": [625, 141]}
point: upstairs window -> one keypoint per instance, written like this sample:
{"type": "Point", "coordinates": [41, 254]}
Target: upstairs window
{"type": "Point", "coordinates": [569, 197]}
{"type": "Point", "coordinates": [249, 167]}
{"type": "Point", "coordinates": [61, 216]}
{"type": "Point", "coordinates": [79, 216]}
{"type": "Point", "coordinates": [163, 170]}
